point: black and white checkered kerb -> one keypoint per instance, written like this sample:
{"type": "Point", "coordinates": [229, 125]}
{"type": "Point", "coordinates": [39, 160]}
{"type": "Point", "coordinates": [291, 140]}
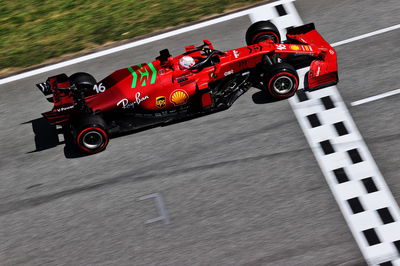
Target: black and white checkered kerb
{"type": "Point", "coordinates": [359, 188]}
{"type": "Point", "coordinates": [353, 176]}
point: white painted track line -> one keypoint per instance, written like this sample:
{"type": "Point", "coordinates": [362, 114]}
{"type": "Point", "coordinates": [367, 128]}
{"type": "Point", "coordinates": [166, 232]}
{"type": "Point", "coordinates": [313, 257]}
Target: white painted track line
{"type": "Point", "coordinates": [376, 97]}
{"type": "Point", "coordinates": [140, 42]}
{"type": "Point", "coordinates": [367, 35]}
{"type": "Point", "coordinates": [359, 188]}
{"type": "Point", "coordinates": [173, 33]}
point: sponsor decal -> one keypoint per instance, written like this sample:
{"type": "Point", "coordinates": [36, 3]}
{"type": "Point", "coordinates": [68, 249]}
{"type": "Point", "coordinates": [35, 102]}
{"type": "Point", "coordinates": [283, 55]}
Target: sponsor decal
{"type": "Point", "coordinates": [44, 87]}
{"type": "Point", "coordinates": [179, 97]}
{"type": "Point", "coordinates": [281, 47]}
{"type": "Point", "coordinates": [186, 82]}
{"type": "Point", "coordinates": [236, 53]}
{"type": "Point", "coordinates": [62, 109]}
{"type": "Point", "coordinates": [318, 71]}
{"type": "Point", "coordinates": [161, 101]}
{"type": "Point", "coordinates": [256, 48]}
{"type": "Point", "coordinates": [183, 77]}
{"type": "Point", "coordinates": [242, 63]}
{"type": "Point", "coordinates": [98, 88]}
{"type": "Point", "coordinates": [125, 104]}
{"type": "Point", "coordinates": [307, 48]}
{"type": "Point", "coordinates": [142, 74]}
{"type": "Point", "coordinates": [331, 52]}
{"type": "Point", "coordinates": [301, 54]}
{"type": "Point", "coordinates": [228, 73]}
{"type": "Point", "coordinates": [182, 80]}
{"type": "Point", "coordinates": [294, 47]}
{"type": "Point", "coordinates": [139, 99]}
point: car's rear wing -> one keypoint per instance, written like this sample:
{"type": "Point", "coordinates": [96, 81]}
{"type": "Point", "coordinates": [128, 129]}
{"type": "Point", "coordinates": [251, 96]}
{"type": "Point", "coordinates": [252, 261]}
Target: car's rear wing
{"type": "Point", "coordinates": [61, 94]}
{"type": "Point", "coordinates": [323, 70]}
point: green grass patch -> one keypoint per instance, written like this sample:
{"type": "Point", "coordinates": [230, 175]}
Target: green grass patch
{"type": "Point", "coordinates": [32, 31]}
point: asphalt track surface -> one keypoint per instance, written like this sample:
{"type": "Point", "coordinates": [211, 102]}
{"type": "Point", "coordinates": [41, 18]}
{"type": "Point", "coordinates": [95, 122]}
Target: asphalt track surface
{"type": "Point", "coordinates": [240, 187]}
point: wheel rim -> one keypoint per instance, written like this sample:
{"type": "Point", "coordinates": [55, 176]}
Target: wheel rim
{"type": "Point", "coordinates": [283, 85]}
{"type": "Point", "coordinates": [92, 140]}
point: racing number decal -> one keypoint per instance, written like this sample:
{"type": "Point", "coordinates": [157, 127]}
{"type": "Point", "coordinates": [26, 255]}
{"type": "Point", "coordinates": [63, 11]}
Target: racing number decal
{"type": "Point", "coordinates": [281, 47]}
{"type": "Point", "coordinates": [99, 88]}
{"type": "Point", "coordinates": [144, 74]}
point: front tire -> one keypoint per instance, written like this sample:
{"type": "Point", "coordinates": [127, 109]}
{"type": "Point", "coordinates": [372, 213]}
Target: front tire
{"type": "Point", "coordinates": [91, 135]}
{"type": "Point", "coordinates": [261, 31]}
{"type": "Point", "coordinates": [281, 81]}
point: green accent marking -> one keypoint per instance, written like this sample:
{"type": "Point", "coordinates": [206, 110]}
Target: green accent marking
{"type": "Point", "coordinates": [154, 73]}
{"type": "Point", "coordinates": [144, 74]}
{"type": "Point", "coordinates": [134, 80]}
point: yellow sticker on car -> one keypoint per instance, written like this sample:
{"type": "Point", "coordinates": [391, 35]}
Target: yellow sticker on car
{"type": "Point", "coordinates": [161, 102]}
{"type": "Point", "coordinates": [295, 47]}
{"type": "Point", "coordinates": [179, 97]}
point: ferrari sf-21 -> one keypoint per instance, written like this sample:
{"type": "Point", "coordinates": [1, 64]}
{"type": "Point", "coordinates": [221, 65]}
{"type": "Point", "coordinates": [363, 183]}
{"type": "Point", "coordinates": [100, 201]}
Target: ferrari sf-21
{"type": "Point", "coordinates": [200, 81]}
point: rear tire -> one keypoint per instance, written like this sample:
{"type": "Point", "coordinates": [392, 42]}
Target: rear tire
{"type": "Point", "coordinates": [261, 31]}
{"type": "Point", "coordinates": [83, 81]}
{"type": "Point", "coordinates": [281, 81]}
{"type": "Point", "coordinates": [90, 134]}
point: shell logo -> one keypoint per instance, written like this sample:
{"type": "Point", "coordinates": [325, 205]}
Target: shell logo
{"type": "Point", "coordinates": [179, 97]}
{"type": "Point", "coordinates": [295, 47]}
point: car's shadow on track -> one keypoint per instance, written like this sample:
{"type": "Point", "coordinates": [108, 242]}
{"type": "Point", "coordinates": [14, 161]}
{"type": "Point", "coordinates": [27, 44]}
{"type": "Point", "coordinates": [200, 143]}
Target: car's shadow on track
{"type": "Point", "coordinates": [261, 97]}
{"type": "Point", "coordinates": [48, 136]}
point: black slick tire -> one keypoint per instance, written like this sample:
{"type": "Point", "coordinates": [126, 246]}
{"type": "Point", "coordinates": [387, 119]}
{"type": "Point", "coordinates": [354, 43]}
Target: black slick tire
{"type": "Point", "coordinates": [261, 31]}
{"type": "Point", "coordinates": [90, 134]}
{"type": "Point", "coordinates": [82, 80]}
{"type": "Point", "coordinates": [281, 81]}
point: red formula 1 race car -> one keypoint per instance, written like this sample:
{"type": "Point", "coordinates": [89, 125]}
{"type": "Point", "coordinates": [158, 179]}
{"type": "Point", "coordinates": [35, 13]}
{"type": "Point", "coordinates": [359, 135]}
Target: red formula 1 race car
{"type": "Point", "coordinates": [200, 81]}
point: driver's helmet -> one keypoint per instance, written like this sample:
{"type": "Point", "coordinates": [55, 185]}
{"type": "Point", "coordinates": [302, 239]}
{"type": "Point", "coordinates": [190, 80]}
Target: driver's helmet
{"type": "Point", "coordinates": [186, 62]}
